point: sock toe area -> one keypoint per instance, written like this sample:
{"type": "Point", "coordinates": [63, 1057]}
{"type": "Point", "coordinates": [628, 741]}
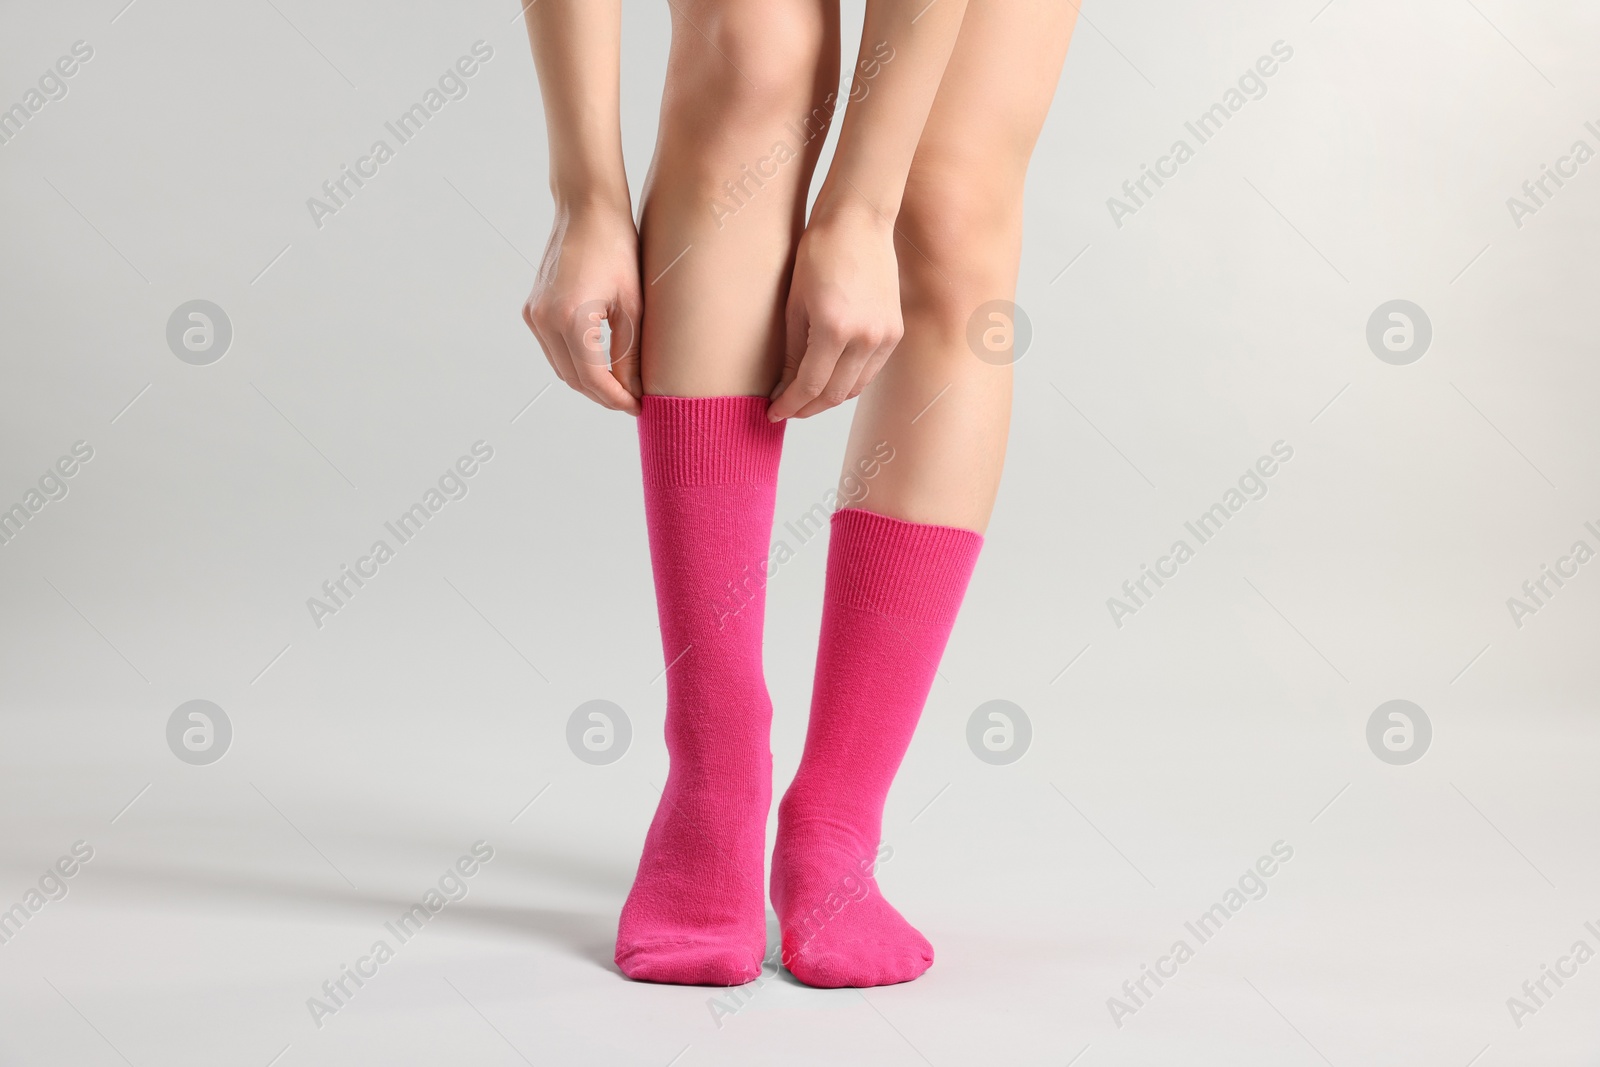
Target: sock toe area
{"type": "Point", "coordinates": [863, 963]}
{"type": "Point", "coordinates": [702, 960]}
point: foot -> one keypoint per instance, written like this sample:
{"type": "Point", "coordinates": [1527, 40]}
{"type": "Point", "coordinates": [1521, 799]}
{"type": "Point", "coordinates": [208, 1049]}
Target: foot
{"type": "Point", "coordinates": [697, 911]}
{"type": "Point", "coordinates": [837, 928]}
{"type": "Point", "coordinates": [697, 957]}
{"type": "Point", "coordinates": [696, 914]}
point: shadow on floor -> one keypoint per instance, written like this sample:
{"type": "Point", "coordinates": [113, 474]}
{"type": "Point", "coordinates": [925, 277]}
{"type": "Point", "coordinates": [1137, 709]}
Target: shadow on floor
{"type": "Point", "coordinates": [583, 933]}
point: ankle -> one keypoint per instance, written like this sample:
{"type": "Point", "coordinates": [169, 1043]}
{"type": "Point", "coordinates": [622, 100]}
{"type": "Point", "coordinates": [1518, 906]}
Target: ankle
{"type": "Point", "coordinates": [808, 818]}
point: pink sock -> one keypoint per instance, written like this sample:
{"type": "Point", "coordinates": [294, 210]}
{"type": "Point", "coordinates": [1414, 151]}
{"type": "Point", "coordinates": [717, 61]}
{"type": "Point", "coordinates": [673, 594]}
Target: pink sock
{"type": "Point", "coordinates": [893, 591]}
{"type": "Point", "coordinates": [696, 914]}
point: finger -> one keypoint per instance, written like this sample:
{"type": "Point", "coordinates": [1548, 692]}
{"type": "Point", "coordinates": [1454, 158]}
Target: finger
{"type": "Point", "coordinates": [816, 368]}
{"type": "Point", "coordinates": [592, 364]}
{"type": "Point", "coordinates": [625, 366]}
{"type": "Point", "coordinates": [569, 366]}
{"type": "Point", "coordinates": [842, 380]}
{"type": "Point", "coordinates": [874, 366]}
{"type": "Point", "coordinates": [555, 352]}
{"type": "Point", "coordinates": [544, 347]}
{"type": "Point", "coordinates": [797, 325]}
{"type": "Point", "coordinates": [627, 371]}
{"type": "Point", "coordinates": [603, 388]}
{"type": "Point", "coordinates": [559, 334]}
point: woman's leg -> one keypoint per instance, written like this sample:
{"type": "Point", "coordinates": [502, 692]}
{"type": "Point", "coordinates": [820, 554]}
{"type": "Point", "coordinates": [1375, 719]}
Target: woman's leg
{"type": "Point", "coordinates": [722, 210]}
{"type": "Point", "coordinates": [945, 411]}
{"type": "Point", "coordinates": [931, 430]}
{"type": "Point", "coordinates": [743, 117]}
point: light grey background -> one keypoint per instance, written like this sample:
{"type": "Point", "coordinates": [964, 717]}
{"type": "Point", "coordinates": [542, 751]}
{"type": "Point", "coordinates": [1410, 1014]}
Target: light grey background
{"type": "Point", "coordinates": [1228, 714]}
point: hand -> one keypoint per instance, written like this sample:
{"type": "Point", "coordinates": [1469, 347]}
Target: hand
{"type": "Point", "coordinates": [843, 314]}
{"type": "Point", "coordinates": [590, 273]}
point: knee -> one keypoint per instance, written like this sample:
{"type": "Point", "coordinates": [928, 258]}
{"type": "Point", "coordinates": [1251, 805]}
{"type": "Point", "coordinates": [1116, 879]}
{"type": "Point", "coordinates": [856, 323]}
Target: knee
{"type": "Point", "coordinates": [960, 229]}
{"type": "Point", "coordinates": [758, 63]}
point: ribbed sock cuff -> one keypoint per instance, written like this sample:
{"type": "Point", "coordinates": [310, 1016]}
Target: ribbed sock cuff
{"type": "Point", "coordinates": [713, 440]}
{"type": "Point", "coordinates": [908, 570]}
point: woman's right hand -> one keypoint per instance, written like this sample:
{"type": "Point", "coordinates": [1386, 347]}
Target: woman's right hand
{"type": "Point", "coordinates": [590, 273]}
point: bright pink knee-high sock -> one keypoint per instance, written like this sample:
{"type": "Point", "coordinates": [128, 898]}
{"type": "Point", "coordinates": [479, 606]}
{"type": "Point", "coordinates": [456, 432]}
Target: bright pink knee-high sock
{"type": "Point", "coordinates": [697, 914]}
{"type": "Point", "coordinates": [893, 591]}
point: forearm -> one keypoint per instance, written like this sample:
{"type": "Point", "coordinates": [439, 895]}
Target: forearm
{"type": "Point", "coordinates": [577, 51]}
{"type": "Point", "coordinates": [884, 119]}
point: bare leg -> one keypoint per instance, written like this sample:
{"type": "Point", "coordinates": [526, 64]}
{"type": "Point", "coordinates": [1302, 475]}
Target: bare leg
{"type": "Point", "coordinates": [722, 213]}
{"type": "Point", "coordinates": [945, 411]}
{"type": "Point", "coordinates": [724, 202]}
{"type": "Point", "coordinates": [898, 567]}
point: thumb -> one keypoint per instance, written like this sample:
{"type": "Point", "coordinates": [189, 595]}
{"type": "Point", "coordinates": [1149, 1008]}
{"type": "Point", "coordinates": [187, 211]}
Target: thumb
{"type": "Point", "coordinates": [794, 348]}
{"type": "Point", "coordinates": [625, 343]}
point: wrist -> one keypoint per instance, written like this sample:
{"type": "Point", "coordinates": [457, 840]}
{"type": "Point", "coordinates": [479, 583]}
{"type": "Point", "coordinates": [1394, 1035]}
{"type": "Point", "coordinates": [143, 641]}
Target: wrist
{"type": "Point", "coordinates": [845, 207]}
{"type": "Point", "coordinates": [587, 194]}
{"type": "Point", "coordinates": [590, 207]}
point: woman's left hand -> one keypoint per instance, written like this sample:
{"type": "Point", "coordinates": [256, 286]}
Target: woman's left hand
{"type": "Point", "coordinates": [843, 313]}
